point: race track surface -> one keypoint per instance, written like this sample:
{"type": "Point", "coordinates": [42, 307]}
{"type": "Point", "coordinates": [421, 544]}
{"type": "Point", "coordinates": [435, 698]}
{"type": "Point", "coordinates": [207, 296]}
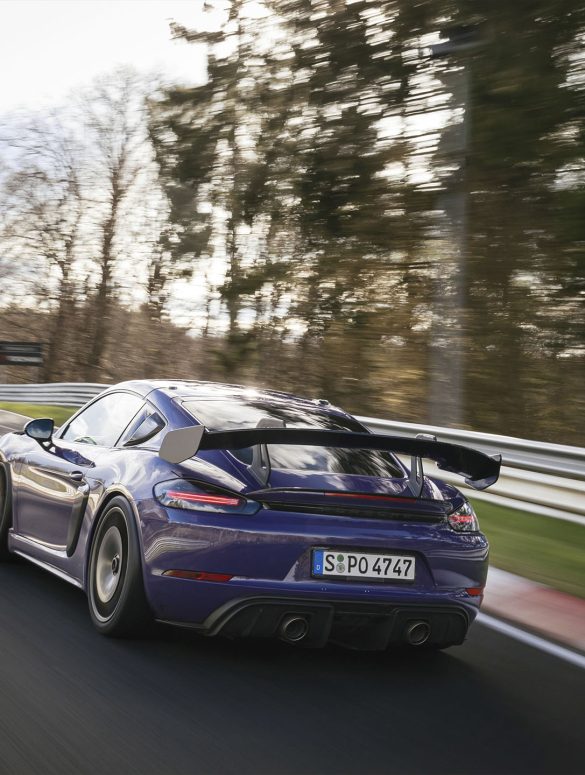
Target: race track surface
{"type": "Point", "coordinates": [75, 702]}
{"type": "Point", "coordinates": [9, 421]}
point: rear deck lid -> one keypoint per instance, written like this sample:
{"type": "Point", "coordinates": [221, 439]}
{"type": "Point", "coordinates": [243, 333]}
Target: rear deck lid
{"type": "Point", "coordinates": [348, 495]}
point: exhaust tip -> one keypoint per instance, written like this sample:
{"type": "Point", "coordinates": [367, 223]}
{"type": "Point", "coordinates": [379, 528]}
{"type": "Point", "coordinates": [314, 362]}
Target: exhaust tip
{"type": "Point", "coordinates": [294, 628]}
{"type": "Point", "coordinates": [418, 633]}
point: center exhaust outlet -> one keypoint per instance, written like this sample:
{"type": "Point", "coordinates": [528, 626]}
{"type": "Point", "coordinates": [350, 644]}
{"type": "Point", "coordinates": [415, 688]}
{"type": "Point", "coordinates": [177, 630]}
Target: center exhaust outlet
{"type": "Point", "coordinates": [294, 628]}
{"type": "Point", "coordinates": [418, 633]}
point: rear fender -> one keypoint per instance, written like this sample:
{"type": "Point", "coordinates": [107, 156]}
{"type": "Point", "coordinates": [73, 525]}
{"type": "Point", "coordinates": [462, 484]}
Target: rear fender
{"type": "Point", "coordinates": [108, 495]}
{"type": "Point", "coordinates": [5, 468]}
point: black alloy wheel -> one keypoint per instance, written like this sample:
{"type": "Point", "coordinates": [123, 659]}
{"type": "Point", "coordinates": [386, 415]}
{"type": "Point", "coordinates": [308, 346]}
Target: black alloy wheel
{"type": "Point", "coordinates": [117, 602]}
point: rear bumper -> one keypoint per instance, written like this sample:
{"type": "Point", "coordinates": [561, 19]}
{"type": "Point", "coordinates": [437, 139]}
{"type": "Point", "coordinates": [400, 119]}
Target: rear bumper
{"type": "Point", "coordinates": [357, 625]}
{"type": "Point", "coordinates": [268, 556]}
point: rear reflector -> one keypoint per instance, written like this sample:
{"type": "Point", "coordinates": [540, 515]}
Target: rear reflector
{"type": "Point", "coordinates": [196, 575]}
{"type": "Point", "coordinates": [474, 591]}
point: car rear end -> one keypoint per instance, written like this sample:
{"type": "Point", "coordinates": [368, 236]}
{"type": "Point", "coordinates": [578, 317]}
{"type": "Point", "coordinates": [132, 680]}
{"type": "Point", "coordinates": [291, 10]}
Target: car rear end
{"type": "Point", "coordinates": [305, 542]}
{"type": "Point", "coordinates": [314, 556]}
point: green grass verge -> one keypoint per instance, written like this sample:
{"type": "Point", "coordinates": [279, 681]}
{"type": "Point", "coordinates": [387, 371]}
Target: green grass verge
{"type": "Point", "coordinates": [58, 413]}
{"type": "Point", "coordinates": [544, 549]}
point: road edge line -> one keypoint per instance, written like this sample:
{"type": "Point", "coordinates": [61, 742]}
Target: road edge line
{"type": "Point", "coordinates": [532, 640]}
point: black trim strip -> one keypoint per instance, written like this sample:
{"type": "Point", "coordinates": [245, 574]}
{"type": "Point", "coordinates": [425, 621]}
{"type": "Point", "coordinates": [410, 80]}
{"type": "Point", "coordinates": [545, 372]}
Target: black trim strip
{"type": "Point", "coordinates": [76, 521]}
{"type": "Point", "coordinates": [351, 511]}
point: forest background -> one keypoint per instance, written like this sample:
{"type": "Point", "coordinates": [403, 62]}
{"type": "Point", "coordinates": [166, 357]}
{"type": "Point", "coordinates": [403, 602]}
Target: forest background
{"type": "Point", "coordinates": [381, 203]}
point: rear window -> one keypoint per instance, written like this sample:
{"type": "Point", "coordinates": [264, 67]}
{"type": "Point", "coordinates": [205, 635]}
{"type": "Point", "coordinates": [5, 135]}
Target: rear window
{"type": "Point", "coordinates": [232, 414]}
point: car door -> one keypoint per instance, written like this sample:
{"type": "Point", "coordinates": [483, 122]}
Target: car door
{"type": "Point", "coordinates": [52, 486]}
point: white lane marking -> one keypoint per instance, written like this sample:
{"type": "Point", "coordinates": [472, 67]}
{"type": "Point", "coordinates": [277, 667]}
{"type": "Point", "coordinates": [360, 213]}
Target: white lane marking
{"type": "Point", "coordinates": [533, 640]}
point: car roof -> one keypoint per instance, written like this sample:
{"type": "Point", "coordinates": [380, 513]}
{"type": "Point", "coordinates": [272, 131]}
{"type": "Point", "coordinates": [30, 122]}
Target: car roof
{"type": "Point", "coordinates": [185, 390]}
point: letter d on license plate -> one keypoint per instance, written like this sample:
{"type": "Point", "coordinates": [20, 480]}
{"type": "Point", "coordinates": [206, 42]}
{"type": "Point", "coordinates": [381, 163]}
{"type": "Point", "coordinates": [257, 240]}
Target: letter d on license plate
{"type": "Point", "coordinates": [363, 565]}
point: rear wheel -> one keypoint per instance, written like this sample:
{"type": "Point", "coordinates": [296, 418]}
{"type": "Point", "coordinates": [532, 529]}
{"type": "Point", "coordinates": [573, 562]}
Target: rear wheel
{"type": "Point", "coordinates": [5, 516]}
{"type": "Point", "coordinates": [117, 603]}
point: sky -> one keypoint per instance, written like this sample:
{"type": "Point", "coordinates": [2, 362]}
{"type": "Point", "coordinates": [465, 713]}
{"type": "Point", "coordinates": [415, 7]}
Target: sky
{"type": "Point", "coordinates": [50, 47]}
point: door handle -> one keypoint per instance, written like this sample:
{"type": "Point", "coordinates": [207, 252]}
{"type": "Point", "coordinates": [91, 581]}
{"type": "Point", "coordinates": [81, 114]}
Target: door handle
{"type": "Point", "coordinates": [77, 476]}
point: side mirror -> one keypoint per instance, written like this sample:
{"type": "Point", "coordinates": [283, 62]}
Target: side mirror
{"type": "Point", "coordinates": [40, 430]}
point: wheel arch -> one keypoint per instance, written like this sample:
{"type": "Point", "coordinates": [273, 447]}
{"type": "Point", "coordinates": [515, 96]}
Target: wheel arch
{"type": "Point", "coordinates": [108, 496]}
{"type": "Point", "coordinates": [5, 469]}
{"type": "Point", "coordinates": [6, 511]}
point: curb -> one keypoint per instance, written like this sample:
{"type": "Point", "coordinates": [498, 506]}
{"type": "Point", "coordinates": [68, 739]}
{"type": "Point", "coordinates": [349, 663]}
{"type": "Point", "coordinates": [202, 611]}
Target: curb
{"type": "Point", "coordinates": [529, 604]}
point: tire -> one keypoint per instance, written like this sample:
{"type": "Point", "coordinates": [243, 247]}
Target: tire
{"type": "Point", "coordinates": [5, 516]}
{"type": "Point", "coordinates": [117, 602]}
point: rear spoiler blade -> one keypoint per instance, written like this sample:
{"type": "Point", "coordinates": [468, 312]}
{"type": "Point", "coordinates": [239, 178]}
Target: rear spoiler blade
{"type": "Point", "coordinates": [478, 469]}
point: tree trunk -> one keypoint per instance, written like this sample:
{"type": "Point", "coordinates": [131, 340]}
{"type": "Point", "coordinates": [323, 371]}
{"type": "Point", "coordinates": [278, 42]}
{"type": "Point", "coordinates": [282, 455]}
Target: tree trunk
{"type": "Point", "coordinates": [103, 296]}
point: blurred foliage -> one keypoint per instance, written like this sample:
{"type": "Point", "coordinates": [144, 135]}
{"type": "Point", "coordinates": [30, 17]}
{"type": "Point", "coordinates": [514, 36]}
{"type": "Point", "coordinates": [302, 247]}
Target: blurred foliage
{"type": "Point", "coordinates": [290, 136]}
{"type": "Point", "coordinates": [394, 192]}
{"type": "Point", "coordinates": [142, 346]}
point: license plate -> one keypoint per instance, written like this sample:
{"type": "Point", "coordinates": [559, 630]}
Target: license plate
{"type": "Point", "coordinates": [363, 565]}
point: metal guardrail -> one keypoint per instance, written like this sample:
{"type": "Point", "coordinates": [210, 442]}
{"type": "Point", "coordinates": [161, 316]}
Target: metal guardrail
{"type": "Point", "coordinates": [52, 393]}
{"type": "Point", "coordinates": [547, 479]}
{"type": "Point", "coordinates": [537, 456]}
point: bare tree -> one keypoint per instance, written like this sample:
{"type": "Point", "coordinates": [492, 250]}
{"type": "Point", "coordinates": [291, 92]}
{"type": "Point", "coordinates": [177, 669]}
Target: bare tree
{"type": "Point", "coordinates": [42, 208]}
{"type": "Point", "coordinates": [117, 146]}
{"type": "Point", "coordinates": [79, 205]}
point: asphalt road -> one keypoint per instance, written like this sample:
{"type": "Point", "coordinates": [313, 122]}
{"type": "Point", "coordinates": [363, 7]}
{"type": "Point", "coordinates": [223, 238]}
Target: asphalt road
{"type": "Point", "coordinates": [74, 702]}
{"type": "Point", "coordinates": [9, 421]}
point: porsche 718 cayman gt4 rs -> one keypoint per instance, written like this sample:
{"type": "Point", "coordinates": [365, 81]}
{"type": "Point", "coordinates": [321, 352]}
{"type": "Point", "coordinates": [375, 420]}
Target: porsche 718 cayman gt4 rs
{"type": "Point", "coordinates": [247, 513]}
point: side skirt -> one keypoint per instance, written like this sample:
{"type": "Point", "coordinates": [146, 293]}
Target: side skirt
{"type": "Point", "coordinates": [19, 545]}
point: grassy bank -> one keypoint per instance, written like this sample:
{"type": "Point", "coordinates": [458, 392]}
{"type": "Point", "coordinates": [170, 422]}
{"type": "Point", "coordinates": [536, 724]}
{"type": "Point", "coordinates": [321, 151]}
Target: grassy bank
{"type": "Point", "coordinates": [58, 413]}
{"type": "Point", "coordinates": [548, 550]}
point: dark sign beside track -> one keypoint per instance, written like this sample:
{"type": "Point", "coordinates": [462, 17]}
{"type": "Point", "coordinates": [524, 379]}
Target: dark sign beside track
{"type": "Point", "coordinates": [21, 354]}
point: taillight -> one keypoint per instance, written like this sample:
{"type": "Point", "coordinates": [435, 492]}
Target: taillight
{"type": "Point", "coordinates": [197, 496]}
{"type": "Point", "coordinates": [463, 519]}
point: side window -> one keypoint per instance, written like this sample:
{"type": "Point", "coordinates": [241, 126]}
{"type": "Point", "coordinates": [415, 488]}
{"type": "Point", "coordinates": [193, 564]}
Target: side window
{"type": "Point", "coordinates": [104, 421]}
{"type": "Point", "coordinates": [144, 426]}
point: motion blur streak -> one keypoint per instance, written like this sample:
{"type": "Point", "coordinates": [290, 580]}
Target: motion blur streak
{"type": "Point", "coordinates": [72, 703]}
{"type": "Point", "coordinates": [377, 202]}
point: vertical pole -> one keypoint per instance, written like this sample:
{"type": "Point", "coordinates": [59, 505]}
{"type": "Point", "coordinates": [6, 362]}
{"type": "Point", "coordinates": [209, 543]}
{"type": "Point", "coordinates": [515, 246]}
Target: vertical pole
{"type": "Point", "coordinates": [448, 330]}
{"type": "Point", "coordinates": [446, 402]}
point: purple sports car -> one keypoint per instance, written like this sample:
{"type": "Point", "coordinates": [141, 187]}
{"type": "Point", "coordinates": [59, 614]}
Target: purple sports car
{"type": "Point", "coordinates": [247, 513]}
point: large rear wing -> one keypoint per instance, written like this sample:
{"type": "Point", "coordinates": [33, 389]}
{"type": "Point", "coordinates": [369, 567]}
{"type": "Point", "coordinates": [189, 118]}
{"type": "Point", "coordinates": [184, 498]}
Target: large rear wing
{"type": "Point", "coordinates": [478, 469]}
